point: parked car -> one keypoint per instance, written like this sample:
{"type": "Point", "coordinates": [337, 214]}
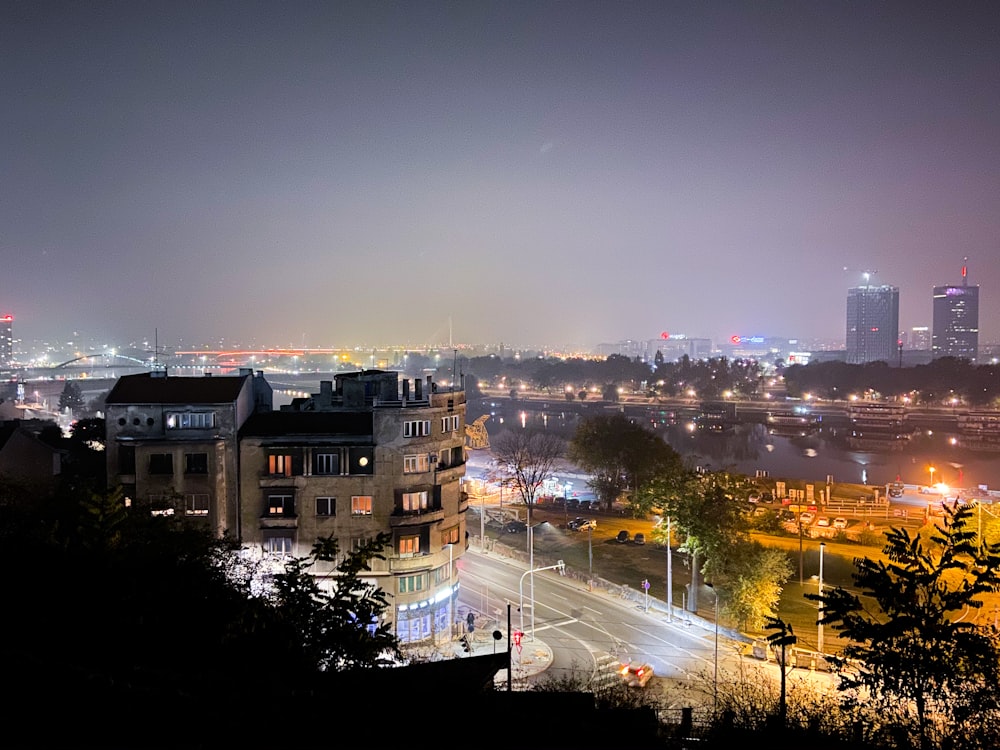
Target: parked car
{"type": "Point", "coordinates": [622, 537]}
{"type": "Point", "coordinates": [639, 538]}
{"type": "Point", "coordinates": [636, 675]}
{"type": "Point", "coordinates": [586, 523]}
{"type": "Point", "coordinates": [575, 522]}
{"type": "Point", "coordinates": [513, 527]}
{"type": "Point", "coordinates": [807, 518]}
{"type": "Point", "coordinates": [585, 505]}
{"type": "Point", "coordinates": [822, 521]}
{"type": "Point", "coordinates": [753, 497]}
{"type": "Point", "coordinates": [840, 522]}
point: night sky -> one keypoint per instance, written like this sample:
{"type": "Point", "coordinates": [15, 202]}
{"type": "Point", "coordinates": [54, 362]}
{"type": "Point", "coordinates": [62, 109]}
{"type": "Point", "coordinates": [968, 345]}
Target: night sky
{"type": "Point", "coordinates": [553, 174]}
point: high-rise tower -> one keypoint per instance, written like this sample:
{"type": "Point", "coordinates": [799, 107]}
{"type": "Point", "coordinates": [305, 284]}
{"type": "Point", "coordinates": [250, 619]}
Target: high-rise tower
{"type": "Point", "coordinates": [872, 323]}
{"type": "Point", "coordinates": [956, 320]}
{"type": "Point", "coordinates": [6, 340]}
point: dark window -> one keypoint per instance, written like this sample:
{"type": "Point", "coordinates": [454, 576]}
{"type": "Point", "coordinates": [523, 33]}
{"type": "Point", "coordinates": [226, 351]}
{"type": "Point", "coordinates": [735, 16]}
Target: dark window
{"type": "Point", "coordinates": [326, 461]}
{"type": "Point", "coordinates": [326, 506]}
{"type": "Point", "coordinates": [161, 463]}
{"type": "Point", "coordinates": [126, 459]}
{"type": "Point", "coordinates": [195, 463]}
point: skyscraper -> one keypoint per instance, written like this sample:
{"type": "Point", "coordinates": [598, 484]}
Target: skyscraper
{"type": "Point", "coordinates": [872, 324]}
{"type": "Point", "coordinates": [956, 320]}
{"type": "Point", "coordinates": [6, 340]}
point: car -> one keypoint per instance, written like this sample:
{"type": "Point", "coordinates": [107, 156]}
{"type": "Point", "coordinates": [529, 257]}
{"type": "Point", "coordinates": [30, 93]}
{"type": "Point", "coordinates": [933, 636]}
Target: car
{"type": "Point", "coordinates": [766, 497]}
{"type": "Point", "coordinates": [622, 537]}
{"type": "Point", "coordinates": [761, 511]}
{"type": "Point", "coordinates": [840, 522]}
{"type": "Point", "coordinates": [575, 522]}
{"type": "Point", "coordinates": [636, 675]}
{"type": "Point", "coordinates": [585, 505]}
{"type": "Point", "coordinates": [806, 518]}
{"type": "Point", "coordinates": [822, 521]}
{"type": "Point", "coordinates": [639, 538]}
{"type": "Point", "coordinates": [753, 497]}
{"type": "Point", "coordinates": [586, 523]}
{"type": "Point", "coordinates": [514, 527]}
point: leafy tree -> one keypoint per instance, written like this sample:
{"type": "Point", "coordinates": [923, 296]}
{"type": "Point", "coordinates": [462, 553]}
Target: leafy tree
{"type": "Point", "coordinates": [620, 454]}
{"type": "Point", "coordinates": [71, 397]}
{"type": "Point", "coordinates": [911, 642]}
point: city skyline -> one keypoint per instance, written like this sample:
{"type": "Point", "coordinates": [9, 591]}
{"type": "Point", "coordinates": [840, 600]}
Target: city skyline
{"type": "Point", "coordinates": [529, 174]}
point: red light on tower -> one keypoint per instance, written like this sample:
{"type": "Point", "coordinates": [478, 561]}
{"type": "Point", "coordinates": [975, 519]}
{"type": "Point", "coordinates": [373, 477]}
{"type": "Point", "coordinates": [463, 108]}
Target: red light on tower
{"type": "Point", "coordinates": [735, 339]}
{"type": "Point", "coordinates": [664, 335]}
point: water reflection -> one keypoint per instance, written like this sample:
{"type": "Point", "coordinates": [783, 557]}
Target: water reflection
{"type": "Point", "coordinates": [814, 454]}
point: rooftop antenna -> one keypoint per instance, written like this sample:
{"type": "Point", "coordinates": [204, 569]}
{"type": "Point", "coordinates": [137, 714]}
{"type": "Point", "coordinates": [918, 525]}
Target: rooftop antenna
{"type": "Point", "coordinates": [454, 371]}
{"type": "Point", "coordinates": [449, 333]}
{"type": "Point", "coordinates": [965, 271]}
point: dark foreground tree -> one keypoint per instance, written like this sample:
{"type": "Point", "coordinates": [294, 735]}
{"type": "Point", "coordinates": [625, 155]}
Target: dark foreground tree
{"type": "Point", "coordinates": [914, 645]}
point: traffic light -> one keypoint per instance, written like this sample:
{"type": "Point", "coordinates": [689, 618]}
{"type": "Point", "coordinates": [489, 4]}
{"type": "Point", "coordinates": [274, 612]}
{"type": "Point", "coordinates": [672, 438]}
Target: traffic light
{"type": "Point", "coordinates": [466, 645]}
{"type": "Point", "coordinates": [471, 621]}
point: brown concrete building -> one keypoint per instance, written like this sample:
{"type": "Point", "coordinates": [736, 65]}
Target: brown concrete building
{"type": "Point", "coordinates": [367, 454]}
{"type": "Point", "coordinates": [172, 442]}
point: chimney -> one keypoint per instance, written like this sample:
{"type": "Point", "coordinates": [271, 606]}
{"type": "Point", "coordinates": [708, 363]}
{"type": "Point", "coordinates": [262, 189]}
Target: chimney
{"type": "Point", "coordinates": [406, 389]}
{"type": "Point", "coordinates": [418, 389]}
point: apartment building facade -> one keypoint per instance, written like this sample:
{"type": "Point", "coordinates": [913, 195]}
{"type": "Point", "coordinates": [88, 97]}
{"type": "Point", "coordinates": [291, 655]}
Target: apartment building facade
{"type": "Point", "coordinates": [367, 454]}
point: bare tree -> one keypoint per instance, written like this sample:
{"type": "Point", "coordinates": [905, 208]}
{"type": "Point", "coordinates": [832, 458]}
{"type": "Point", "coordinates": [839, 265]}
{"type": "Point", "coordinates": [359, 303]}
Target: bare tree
{"type": "Point", "coordinates": [526, 458]}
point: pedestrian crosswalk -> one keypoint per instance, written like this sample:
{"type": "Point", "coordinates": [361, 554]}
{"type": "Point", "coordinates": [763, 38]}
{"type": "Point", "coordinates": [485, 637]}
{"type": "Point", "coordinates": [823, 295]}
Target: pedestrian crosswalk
{"type": "Point", "coordinates": [606, 668]}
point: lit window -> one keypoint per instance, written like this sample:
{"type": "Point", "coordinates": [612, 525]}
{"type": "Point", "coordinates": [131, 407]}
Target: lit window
{"type": "Point", "coordinates": [416, 463]}
{"type": "Point", "coordinates": [279, 465]}
{"type": "Point", "coordinates": [326, 506]}
{"type": "Point", "coordinates": [414, 501]}
{"type": "Point", "coordinates": [450, 536]}
{"type": "Point", "coordinates": [361, 505]}
{"type": "Point", "coordinates": [280, 505]}
{"type": "Point", "coordinates": [190, 420]}
{"type": "Point", "coordinates": [196, 505]}
{"type": "Point", "coordinates": [409, 546]}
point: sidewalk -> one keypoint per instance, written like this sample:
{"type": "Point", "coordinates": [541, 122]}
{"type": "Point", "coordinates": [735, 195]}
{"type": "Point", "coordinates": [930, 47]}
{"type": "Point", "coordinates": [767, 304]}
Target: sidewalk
{"type": "Point", "coordinates": [533, 658]}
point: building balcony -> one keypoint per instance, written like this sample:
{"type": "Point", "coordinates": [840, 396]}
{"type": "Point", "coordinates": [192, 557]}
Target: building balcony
{"type": "Point", "coordinates": [279, 522]}
{"type": "Point", "coordinates": [403, 518]}
{"type": "Point", "coordinates": [450, 474]}
{"type": "Point", "coordinates": [420, 561]}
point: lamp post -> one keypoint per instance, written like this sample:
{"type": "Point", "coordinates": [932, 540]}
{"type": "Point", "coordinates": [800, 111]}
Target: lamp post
{"type": "Point", "coordinates": [715, 682]}
{"type": "Point", "coordinates": [670, 578]}
{"type": "Point", "coordinates": [931, 469]}
{"type": "Point", "coordinates": [819, 626]}
{"type": "Point", "coordinates": [561, 566]}
{"type": "Point", "coordinates": [451, 592]}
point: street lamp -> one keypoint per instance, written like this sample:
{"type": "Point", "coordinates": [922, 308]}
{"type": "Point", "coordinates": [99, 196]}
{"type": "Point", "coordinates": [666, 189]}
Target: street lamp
{"type": "Point", "coordinates": [561, 566]}
{"type": "Point", "coordinates": [931, 469]}
{"type": "Point", "coordinates": [451, 591]}
{"type": "Point", "coordinates": [715, 683]}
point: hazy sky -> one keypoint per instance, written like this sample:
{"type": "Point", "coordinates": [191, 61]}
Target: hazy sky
{"type": "Point", "coordinates": [532, 173]}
